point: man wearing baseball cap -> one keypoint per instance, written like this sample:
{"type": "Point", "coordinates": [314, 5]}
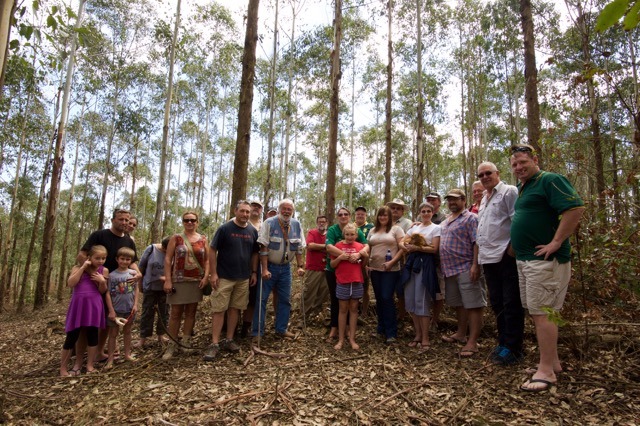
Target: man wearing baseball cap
{"type": "Point", "coordinates": [434, 199]}
{"type": "Point", "coordinates": [461, 271]}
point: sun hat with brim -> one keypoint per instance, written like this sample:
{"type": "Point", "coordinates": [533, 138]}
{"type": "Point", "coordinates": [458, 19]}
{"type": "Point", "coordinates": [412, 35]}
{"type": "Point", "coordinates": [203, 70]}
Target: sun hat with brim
{"type": "Point", "coordinates": [455, 193]}
{"type": "Point", "coordinates": [398, 202]}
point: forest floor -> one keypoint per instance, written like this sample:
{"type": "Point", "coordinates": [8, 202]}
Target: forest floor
{"type": "Point", "coordinates": [318, 385]}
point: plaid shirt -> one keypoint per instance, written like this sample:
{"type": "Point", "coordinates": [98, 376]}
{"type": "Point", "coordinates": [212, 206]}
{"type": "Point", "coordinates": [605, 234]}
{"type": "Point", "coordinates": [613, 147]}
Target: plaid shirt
{"type": "Point", "coordinates": [457, 239]}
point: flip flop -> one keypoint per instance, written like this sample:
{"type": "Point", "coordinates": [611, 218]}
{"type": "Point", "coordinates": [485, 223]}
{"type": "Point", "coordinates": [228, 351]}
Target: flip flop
{"type": "Point", "coordinates": [547, 385]}
{"type": "Point", "coordinates": [413, 343]}
{"type": "Point", "coordinates": [467, 353]}
{"type": "Point", "coordinates": [424, 349]}
{"type": "Point", "coordinates": [451, 339]}
{"type": "Point", "coordinates": [534, 370]}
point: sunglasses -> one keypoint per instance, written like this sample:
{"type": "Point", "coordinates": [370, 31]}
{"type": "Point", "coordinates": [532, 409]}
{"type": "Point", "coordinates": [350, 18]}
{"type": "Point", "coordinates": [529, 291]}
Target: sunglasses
{"type": "Point", "coordinates": [343, 214]}
{"type": "Point", "coordinates": [189, 220]}
{"type": "Point", "coordinates": [426, 211]}
{"type": "Point", "coordinates": [481, 175]}
{"type": "Point", "coordinates": [520, 149]}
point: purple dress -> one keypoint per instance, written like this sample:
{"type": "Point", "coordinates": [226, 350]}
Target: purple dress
{"type": "Point", "coordinates": [86, 308]}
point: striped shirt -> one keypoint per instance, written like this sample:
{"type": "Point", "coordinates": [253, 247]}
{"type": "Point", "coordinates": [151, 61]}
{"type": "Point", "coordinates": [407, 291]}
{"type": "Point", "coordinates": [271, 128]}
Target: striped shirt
{"type": "Point", "coordinates": [457, 239]}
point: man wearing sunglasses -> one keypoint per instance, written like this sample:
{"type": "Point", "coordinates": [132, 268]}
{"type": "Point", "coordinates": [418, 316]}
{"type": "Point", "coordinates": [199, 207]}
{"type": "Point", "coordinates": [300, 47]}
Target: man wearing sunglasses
{"type": "Point", "coordinates": [547, 212]}
{"type": "Point", "coordinates": [495, 212]}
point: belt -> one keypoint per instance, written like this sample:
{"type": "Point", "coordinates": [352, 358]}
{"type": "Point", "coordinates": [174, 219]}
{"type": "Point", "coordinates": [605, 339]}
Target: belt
{"type": "Point", "coordinates": [278, 264]}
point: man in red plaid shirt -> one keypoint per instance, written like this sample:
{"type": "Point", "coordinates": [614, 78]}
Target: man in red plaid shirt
{"type": "Point", "coordinates": [460, 268]}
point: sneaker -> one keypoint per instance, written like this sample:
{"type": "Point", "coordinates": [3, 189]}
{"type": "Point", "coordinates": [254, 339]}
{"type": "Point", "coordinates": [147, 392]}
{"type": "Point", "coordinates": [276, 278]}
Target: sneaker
{"type": "Point", "coordinates": [171, 350]}
{"type": "Point", "coordinates": [231, 346]}
{"type": "Point", "coordinates": [390, 341]}
{"type": "Point", "coordinates": [495, 352]}
{"type": "Point", "coordinates": [506, 357]}
{"type": "Point", "coordinates": [211, 352]}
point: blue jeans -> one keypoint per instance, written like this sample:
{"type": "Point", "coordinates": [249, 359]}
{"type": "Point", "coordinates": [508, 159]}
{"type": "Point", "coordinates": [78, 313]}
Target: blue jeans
{"type": "Point", "coordinates": [504, 294]}
{"type": "Point", "coordinates": [280, 282]}
{"type": "Point", "coordinates": [384, 285]}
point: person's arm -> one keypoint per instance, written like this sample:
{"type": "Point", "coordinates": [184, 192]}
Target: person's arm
{"type": "Point", "coordinates": [76, 273]}
{"type": "Point", "coordinates": [168, 258]}
{"type": "Point", "coordinates": [112, 312]}
{"type": "Point", "coordinates": [336, 260]}
{"type": "Point", "coordinates": [474, 272]}
{"type": "Point", "coordinates": [213, 268]}
{"type": "Point", "coordinates": [568, 224]}
{"type": "Point", "coordinates": [102, 281]}
{"type": "Point", "coordinates": [254, 269]}
{"type": "Point", "coordinates": [205, 278]}
{"type": "Point", "coordinates": [82, 257]}
{"type": "Point", "coordinates": [136, 297]}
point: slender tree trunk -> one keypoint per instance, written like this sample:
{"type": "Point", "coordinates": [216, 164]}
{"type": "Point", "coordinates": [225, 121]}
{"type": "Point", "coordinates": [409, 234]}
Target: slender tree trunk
{"type": "Point", "coordinates": [8, 254]}
{"type": "Point", "coordinates": [387, 151]}
{"type": "Point", "coordinates": [336, 74]}
{"type": "Point", "coordinates": [7, 9]}
{"type": "Point", "coordinates": [160, 196]}
{"type": "Point", "coordinates": [531, 78]}
{"type": "Point", "coordinates": [289, 105]}
{"type": "Point", "coordinates": [67, 225]}
{"type": "Point", "coordinates": [48, 234]}
{"type": "Point", "coordinates": [272, 108]}
{"type": "Point", "coordinates": [243, 139]}
{"type": "Point", "coordinates": [420, 112]}
{"type": "Point", "coordinates": [107, 161]}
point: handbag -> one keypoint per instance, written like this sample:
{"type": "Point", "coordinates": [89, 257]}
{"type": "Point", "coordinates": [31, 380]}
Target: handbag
{"type": "Point", "coordinates": [207, 289]}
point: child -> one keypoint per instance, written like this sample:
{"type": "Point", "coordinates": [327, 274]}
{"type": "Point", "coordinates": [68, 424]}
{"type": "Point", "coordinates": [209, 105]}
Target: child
{"type": "Point", "coordinates": [122, 301]}
{"type": "Point", "coordinates": [350, 286]}
{"type": "Point", "coordinates": [86, 309]}
{"type": "Point", "coordinates": [152, 268]}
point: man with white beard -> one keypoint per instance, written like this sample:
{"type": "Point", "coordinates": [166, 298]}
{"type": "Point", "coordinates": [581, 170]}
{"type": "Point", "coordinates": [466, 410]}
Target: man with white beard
{"type": "Point", "coordinates": [280, 238]}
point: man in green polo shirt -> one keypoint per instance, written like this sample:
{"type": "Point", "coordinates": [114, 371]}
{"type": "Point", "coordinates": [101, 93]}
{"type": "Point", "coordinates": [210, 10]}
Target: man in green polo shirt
{"type": "Point", "coordinates": [547, 212]}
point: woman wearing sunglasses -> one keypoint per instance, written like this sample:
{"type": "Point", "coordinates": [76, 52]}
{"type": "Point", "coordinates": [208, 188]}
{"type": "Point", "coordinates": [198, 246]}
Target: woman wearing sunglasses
{"type": "Point", "coordinates": [186, 271]}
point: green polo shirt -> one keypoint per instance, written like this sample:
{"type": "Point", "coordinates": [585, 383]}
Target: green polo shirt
{"type": "Point", "coordinates": [541, 201]}
{"type": "Point", "coordinates": [334, 235]}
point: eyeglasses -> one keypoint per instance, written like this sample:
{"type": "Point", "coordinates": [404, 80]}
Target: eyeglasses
{"type": "Point", "coordinates": [189, 220]}
{"type": "Point", "coordinates": [426, 211]}
{"type": "Point", "coordinates": [487, 173]}
{"type": "Point", "coordinates": [520, 149]}
{"type": "Point", "coordinates": [343, 214]}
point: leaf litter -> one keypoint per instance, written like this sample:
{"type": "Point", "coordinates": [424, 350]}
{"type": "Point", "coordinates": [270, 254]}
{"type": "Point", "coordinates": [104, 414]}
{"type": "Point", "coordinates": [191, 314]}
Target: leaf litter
{"type": "Point", "coordinates": [317, 385]}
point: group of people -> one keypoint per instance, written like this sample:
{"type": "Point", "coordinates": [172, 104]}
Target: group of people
{"type": "Point", "coordinates": [514, 238]}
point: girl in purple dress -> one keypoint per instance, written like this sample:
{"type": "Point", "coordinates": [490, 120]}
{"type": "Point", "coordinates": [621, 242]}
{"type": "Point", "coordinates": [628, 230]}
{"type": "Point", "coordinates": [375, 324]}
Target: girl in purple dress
{"type": "Point", "coordinates": [86, 309]}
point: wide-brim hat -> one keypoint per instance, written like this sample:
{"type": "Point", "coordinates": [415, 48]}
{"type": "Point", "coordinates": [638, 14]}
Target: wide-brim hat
{"type": "Point", "coordinates": [398, 202]}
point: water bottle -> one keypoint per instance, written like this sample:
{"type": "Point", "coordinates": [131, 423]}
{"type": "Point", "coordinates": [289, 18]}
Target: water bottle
{"type": "Point", "coordinates": [387, 257]}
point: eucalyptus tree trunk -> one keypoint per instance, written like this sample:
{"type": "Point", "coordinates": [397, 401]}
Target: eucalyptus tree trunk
{"type": "Point", "coordinates": [243, 139]}
{"type": "Point", "coordinates": [531, 78]}
{"type": "Point", "coordinates": [635, 120]}
{"type": "Point", "coordinates": [8, 253]}
{"type": "Point", "coordinates": [272, 108]}
{"type": "Point", "coordinates": [107, 160]}
{"type": "Point", "coordinates": [336, 74]}
{"type": "Point", "coordinates": [387, 151]}
{"type": "Point", "coordinates": [352, 132]}
{"type": "Point", "coordinates": [595, 118]}
{"type": "Point", "coordinates": [157, 221]}
{"type": "Point", "coordinates": [7, 9]}
{"type": "Point", "coordinates": [420, 125]}
{"type": "Point", "coordinates": [48, 233]}
{"type": "Point", "coordinates": [289, 107]}
{"type": "Point", "coordinates": [67, 225]}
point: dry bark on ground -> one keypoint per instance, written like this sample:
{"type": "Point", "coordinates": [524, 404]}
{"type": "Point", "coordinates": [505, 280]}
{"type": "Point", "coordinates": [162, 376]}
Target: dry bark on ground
{"type": "Point", "coordinates": [315, 384]}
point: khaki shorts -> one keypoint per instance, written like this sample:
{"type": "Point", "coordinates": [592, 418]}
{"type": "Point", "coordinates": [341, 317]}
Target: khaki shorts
{"type": "Point", "coordinates": [230, 294]}
{"type": "Point", "coordinates": [461, 291]}
{"type": "Point", "coordinates": [543, 284]}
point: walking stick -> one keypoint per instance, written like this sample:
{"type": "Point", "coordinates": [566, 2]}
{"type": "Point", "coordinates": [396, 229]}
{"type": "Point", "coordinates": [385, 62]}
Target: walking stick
{"type": "Point", "coordinates": [260, 319]}
{"type": "Point", "coordinates": [304, 314]}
